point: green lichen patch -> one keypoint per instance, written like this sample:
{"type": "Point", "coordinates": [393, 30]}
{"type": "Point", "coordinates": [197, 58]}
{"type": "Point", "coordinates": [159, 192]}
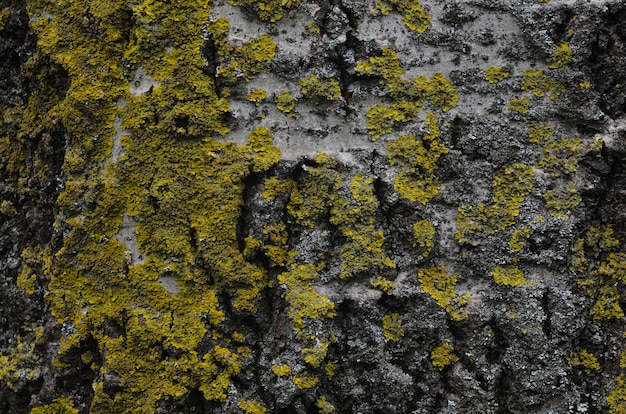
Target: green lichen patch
{"type": "Point", "coordinates": [257, 96]}
{"type": "Point", "coordinates": [392, 327]}
{"type": "Point", "coordinates": [61, 405]}
{"type": "Point", "coordinates": [560, 56]}
{"type": "Point", "coordinates": [319, 90]}
{"type": "Point", "coordinates": [423, 233]}
{"type": "Point", "coordinates": [440, 286]}
{"type": "Point", "coordinates": [561, 157]}
{"type": "Point", "coordinates": [539, 133]}
{"type": "Point", "coordinates": [252, 407]}
{"type": "Point", "coordinates": [495, 74]}
{"type": "Point", "coordinates": [356, 218]}
{"type": "Point", "coordinates": [509, 275]}
{"type": "Point", "coordinates": [584, 359]}
{"type": "Point", "coordinates": [511, 185]}
{"type": "Point", "coordinates": [443, 356]}
{"type": "Point", "coordinates": [517, 242]}
{"type": "Point", "coordinates": [413, 15]}
{"type": "Point", "coordinates": [287, 104]}
{"type": "Point", "coordinates": [562, 200]}
{"type": "Point", "coordinates": [268, 10]}
{"type": "Point", "coordinates": [521, 105]}
{"type": "Point", "coordinates": [540, 84]}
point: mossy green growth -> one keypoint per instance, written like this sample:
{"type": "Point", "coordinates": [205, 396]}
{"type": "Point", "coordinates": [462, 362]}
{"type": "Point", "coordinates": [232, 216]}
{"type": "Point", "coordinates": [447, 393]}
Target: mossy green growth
{"type": "Point", "coordinates": [413, 15]}
{"type": "Point", "coordinates": [392, 327]}
{"type": "Point", "coordinates": [521, 105]}
{"type": "Point", "coordinates": [511, 185]}
{"type": "Point", "coordinates": [304, 303]}
{"type": "Point", "coordinates": [540, 84]}
{"type": "Point", "coordinates": [560, 56]}
{"type": "Point", "coordinates": [561, 157]}
{"type": "Point", "coordinates": [560, 201]}
{"type": "Point", "coordinates": [440, 286]}
{"type": "Point", "coordinates": [319, 90]}
{"type": "Point", "coordinates": [443, 356]}
{"type": "Point", "coordinates": [269, 10]}
{"type": "Point", "coordinates": [314, 192]}
{"type": "Point", "coordinates": [356, 218]}
{"type": "Point", "coordinates": [509, 275]}
{"type": "Point", "coordinates": [423, 233]}
{"type": "Point", "coordinates": [287, 104]}
{"type": "Point", "coordinates": [252, 407]}
{"type": "Point", "coordinates": [539, 133]}
{"type": "Point", "coordinates": [495, 74]}
{"type": "Point", "coordinates": [584, 359]}
{"type": "Point", "coordinates": [62, 405]}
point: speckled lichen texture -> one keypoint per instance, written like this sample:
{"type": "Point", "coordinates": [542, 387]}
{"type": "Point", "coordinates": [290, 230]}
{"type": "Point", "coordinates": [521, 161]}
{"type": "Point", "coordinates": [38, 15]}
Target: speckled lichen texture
{"type": "Point", "coordinates": [298, 206]}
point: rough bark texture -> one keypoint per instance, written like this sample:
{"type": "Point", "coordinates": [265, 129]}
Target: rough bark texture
{"type": "Point", "coordinates": [331, 206]}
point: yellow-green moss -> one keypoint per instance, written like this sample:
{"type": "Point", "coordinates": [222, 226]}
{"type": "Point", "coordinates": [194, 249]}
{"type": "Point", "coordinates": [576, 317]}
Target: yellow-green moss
{"type": "Point", "coordinates": [584, 359]}
{"type": "Point", "coordinates": [495, 74]}
{"type": "Point", "coordinates": [540, 84]}
{"type": "Point", "coordinates": [257, 96]}
{"type": "Point", "coordinates": [509, 275]}
{"type": "Point", "coordinates": [320, 90]}
{"type": "Point", "coordinates": [281, 370]}
{"type": "Point", "coordinates": [560, 56]}
{"type": "Point", "coordinates": [392, 327]}
{"type": "Point", "coordinates": [560, 201]}
{"type": "Point", "coordinates": [443, 356]}
{"type": "Point", "coordinates": [539, 133]}
{"type": "Point", "coordinates": [252, 407]}
{"type": "Point", "coordinates": [440, 286]}
{"type": "Point", "coordinates": [62, 405]}
{"type": "Point", "coordinates": [521, 105]}
{"type": "Point", "coordinates": [413, 15]}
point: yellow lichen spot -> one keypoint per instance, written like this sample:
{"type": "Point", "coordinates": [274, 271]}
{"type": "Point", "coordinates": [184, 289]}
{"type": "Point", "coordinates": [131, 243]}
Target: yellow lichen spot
{"type": "Point", "coordinates": [324, 406]}
{"type": "Point", "coordinates": [423, 233]}
{"type": "Point", "coordinates": [561, 156]}
{"type": "Point", "coordinates": [584, 359]}
{"type": "Point", "coordinates": [305, 380]}
{"type": "Point", "coordinates": [495, 74]}
{"type": "Point", "coordinates": [257, 96]}
{"type": "Point", "coordinates": [281, 370]}
{"type": "Point", "coordinates": [585, 85]}
{"type": "Point", "coordinates": [381, 119]}
{"type": "Point", "coordinates": [330, 367]}
{"type": "Point", "coordinates": [392, 327]}
{"type": "Point", "coordinates": [540, 84]}
{"type": "Point", "coordinates": [63, 405]}
{"type": "Point", "coordinates": [509, 275]}
{"type": "Point", "coordinates": [517, 242]}
{"type": "Point", "coordinates": [260, 141]}
{"type": "Point", "coordinates": [4, 14]}
{"type": "Point", "coordinates": [286, 104]}
{"type": "Point", "coordinates": [521, 105]}
{"type": "Point", "coordinates": [413, 15]}
{"type": "Point", "coordinates": [443, 356]}
{"type": "Point", "coordinates": [315, 356]}
{"type": "Point", "coordinates": [561, 56]}
{"type": "Point", "coordinates": [314, 28]}
{"type": "Point", "coordinates": [440, 286]}
{"type": "Point", "coordinates": [617, 399]}
{"type": "Point", "coordinates": [383, 284]}
{"type": "Point", "coordinates": [252, 407]}
{"type": "Point", "coordinates": [319, 90]}
{"type": "Point", "coordinates": [561, 201]}
{"type": "Point", "coordinates": [275, 187]}
{"type": "Point", "coordinates": [539, 133]}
